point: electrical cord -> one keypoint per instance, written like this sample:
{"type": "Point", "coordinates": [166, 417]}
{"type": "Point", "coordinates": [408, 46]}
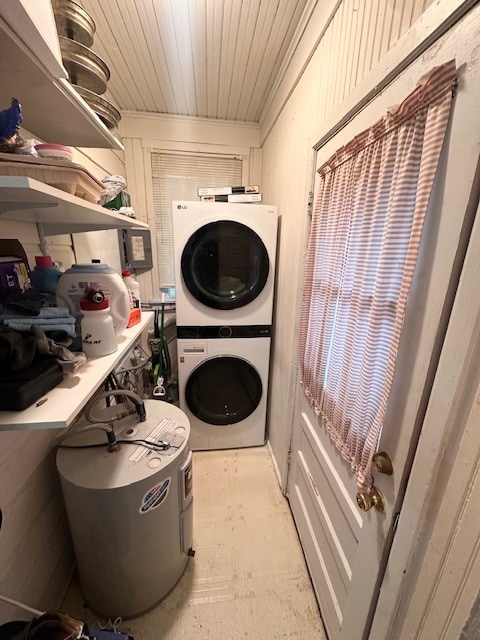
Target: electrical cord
{"type": "Point", "coordinates": [102, 426]}
{"type": "Point", "coordinates": [155, 446]}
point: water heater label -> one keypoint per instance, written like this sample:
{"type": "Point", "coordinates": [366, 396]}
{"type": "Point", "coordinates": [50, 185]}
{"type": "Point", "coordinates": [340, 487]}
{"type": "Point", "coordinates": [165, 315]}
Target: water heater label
{"type": "Point", "coordinates": [155, 496]}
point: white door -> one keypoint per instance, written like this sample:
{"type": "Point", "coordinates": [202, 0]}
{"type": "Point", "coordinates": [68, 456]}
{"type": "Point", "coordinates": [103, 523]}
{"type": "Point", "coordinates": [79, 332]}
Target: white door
{"type": "Point", "coordinates": [347, 549]}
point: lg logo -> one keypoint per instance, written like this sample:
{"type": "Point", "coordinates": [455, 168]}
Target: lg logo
{"type": "Point", "coordinates": [181, 206]}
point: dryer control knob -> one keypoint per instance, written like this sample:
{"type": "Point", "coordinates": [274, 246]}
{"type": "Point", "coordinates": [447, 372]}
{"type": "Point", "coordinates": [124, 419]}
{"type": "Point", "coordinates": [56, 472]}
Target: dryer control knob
{"type": "Point", "coordinates": [225, 332]}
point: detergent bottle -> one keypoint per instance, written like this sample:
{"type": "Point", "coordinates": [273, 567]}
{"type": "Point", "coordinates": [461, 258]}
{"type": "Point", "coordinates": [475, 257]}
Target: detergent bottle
{"type": "Point", "coordinates": [100, 277]}
{"type": "Point", "coordinates": [98, 333]}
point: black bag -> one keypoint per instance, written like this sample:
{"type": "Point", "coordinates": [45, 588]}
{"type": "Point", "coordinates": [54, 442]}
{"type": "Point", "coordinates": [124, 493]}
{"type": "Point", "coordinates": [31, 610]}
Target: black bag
{"type": "Point", "coordinates": [19, 389]}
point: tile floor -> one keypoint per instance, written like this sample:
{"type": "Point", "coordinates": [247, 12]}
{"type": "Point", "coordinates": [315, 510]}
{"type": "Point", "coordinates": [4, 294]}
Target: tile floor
{"type": "Point", "coordinates": [248, 579]}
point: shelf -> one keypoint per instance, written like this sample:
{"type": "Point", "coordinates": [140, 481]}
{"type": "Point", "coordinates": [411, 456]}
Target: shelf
{"type": "Point", "coordinates": [66, 401]}
{"type": "Point", "coordinates": [52, 110]}
{"type": "Point", "coordinates": [27, 200]}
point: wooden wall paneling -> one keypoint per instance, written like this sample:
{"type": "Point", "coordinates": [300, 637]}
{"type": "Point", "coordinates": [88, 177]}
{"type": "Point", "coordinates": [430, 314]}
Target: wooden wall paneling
{"type": "Point", "coordinates": [145, 72]}
{"type": "Point", "coordinates": [181, 33]}
{"type": "Point", "coordinates": [199, 38]}
{"type": "Point", "coordinates": [163, 91]}
{"type": "Point", "coordinates": [354, 45]}
{"type": "Point", "coordinates": [364, 57]}
{"type": "Point", "coordinates": [37, 559]}
{"type": "Point", "coordinates": [280, 17]}
{"type": "Point", "coordinates": [157, 129]}
{"type": "Point", "coordinates": [244, 48]}
{"type": "Point", "coordinates": [231, 30]}
{"type": "Point", "coordinates": [150, 282]}
{"type": "Point", "coordinates": [260, 57]}
{"type": "Point", "coordinates": [122, 90]}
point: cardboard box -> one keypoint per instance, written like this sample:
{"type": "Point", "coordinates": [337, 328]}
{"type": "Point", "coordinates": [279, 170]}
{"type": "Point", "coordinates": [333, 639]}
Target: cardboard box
{"type": "Point", "coordinates": [225, 191]}
{"type": "Point", "coordinates": [234, 197]}
{"type": "Point", "coordinates": [14, 269]}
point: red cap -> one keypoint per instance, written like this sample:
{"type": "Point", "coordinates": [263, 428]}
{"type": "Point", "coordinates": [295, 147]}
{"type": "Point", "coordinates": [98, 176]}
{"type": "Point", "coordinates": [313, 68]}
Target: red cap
{"type": "Point", "coordinates": [93, 300]}
{"type": "Point", "coordinates": [43, 261]}
{"type": "Point", "coordinates": [125, 273]}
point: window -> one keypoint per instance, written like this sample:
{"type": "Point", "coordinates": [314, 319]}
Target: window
{"type": "Point", "coordinates": [177, 177]}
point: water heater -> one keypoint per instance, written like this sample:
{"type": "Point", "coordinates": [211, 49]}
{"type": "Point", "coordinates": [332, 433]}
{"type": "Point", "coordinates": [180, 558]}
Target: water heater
{"type": "Point", "coordinates": [131, 511]}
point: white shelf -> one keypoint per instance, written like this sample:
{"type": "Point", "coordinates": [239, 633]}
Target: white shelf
{"type": "Point", "coordinates": [27, 200]}
{"type": "Point", "coordinates": [66, 401]}
{"type": "Point", "coordinates": [52, 110]}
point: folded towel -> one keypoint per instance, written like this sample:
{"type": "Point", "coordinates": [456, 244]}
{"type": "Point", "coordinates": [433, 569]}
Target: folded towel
{"type": "Point", "coordinates": [45, 312]}
{"type": "Point", "coordinates": [26, 326]}
{"type": "Point", "coordinates": [27, 322]}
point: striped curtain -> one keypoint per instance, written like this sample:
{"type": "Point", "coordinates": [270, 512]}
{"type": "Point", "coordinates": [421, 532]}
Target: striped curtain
{"type": "Point", "coordinates": [371, 200]}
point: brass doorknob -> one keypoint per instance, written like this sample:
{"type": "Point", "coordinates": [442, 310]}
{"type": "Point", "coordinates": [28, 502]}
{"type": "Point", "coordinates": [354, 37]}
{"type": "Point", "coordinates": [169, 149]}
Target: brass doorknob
{"type": "Point", "coordinates": [382, 463]}
{"type": "Point", "coordinates": [366, 501]}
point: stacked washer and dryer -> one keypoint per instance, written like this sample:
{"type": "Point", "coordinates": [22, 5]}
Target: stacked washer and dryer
{"type": "Point", "coordinates": [225, 272]}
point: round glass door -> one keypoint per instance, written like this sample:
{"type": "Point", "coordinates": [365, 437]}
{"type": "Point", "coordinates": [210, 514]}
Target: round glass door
{"type": "Point", "coordinates": [225, 265]}
{"type": "Point", "coordinates": [223, 390]}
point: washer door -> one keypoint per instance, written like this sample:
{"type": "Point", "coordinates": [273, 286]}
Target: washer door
{"type": "Point", "coordinates": [225, 265]}
{"type": "Point", "coordinates": [223, 390]}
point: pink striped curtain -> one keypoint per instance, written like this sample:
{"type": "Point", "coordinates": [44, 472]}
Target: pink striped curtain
{"type": "Point", "coordinates": [368, 216]}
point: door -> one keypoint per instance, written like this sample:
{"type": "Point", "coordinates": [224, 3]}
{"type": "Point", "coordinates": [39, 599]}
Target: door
{"type": "Point", "coordinates": [347, 549]}
{"type": "Point", "coordinates": [225, 265]}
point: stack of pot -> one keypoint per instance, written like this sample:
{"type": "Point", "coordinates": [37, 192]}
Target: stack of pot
{"type": "Point", "coordinates": [86, 70]}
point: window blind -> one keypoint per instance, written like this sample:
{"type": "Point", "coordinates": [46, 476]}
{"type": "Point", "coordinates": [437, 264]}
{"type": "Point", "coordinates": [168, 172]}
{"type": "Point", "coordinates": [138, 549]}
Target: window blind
{"type": "Point", "coordinates": [177, 177]}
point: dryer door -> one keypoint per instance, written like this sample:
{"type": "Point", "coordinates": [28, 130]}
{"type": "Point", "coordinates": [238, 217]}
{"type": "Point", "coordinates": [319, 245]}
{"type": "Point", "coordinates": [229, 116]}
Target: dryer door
{"type": "Point", "coordinates": [225, 265]}
{"type": "Point", "coordinates": [223, 390]}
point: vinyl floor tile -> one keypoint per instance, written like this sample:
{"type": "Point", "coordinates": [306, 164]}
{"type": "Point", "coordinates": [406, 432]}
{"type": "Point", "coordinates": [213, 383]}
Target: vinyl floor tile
{"type": "Point", "coordinates": [248, 579]}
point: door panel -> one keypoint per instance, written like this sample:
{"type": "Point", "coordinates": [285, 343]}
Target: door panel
{"type": "Point", "coordinates": [346, 549]}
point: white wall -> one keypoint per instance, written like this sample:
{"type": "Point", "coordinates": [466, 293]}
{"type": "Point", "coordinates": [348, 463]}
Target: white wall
{"type": "Point", "coordinates": [144, 133]}
{"type": "Point", "coordinates": [36, 559]}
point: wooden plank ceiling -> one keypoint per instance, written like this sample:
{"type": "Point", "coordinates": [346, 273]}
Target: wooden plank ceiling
{"type": "Point", "coordinates": [207, 58]}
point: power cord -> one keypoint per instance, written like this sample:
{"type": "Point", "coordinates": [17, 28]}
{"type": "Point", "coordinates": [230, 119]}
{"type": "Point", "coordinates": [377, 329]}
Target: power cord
{"type": "Point", "coordinates": [155, 446]}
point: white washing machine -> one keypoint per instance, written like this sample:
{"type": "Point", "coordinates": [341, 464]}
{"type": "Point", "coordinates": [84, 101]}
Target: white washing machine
{"type": "Point", "coordinates": [224, 263]}
{"type": "Point", "coordinates": [223, 385]}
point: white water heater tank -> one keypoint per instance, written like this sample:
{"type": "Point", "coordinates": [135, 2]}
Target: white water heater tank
{"type": "Point", "coordinates": [131, 511]}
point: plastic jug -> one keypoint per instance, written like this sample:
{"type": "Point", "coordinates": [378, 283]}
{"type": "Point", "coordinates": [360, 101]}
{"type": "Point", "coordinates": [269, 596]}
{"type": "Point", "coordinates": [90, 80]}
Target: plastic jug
{"type": "Point", "coordinates": [98, 333]}
{"type": "Point", "coordinates": [45, 276]}
{"type": "Point", "coordinates": [133, 288]}
{"type": "Point", "coordinates": [97, 276]}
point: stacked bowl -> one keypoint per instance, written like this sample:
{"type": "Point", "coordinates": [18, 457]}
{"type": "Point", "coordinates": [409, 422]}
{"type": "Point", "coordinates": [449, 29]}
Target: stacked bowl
{"type": "Point", "coordinates": [87, 72]}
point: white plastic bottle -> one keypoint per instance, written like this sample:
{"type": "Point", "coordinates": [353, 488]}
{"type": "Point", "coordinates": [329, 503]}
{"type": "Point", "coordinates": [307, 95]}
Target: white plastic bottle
{"type": "Point", "coordinates": [98, 332]}
{"type": "Point", "coordinates": [99, 276]}
{"type": "Point", "coordinates": [133, 288]}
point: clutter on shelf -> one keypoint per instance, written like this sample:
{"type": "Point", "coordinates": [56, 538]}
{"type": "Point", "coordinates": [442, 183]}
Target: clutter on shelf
{"type": "Point", "coordinates": [116, 197]}
{"type": "Point", "coordinates": [54, 151]}
{"type": "Point", "coordinates": [87, 72]}
{"type": "Point", "coordinates": [133, 288]}
{"type": "Point", "coordinates": [10, 121]}
{"type": "Point", "coordinates": [243, 193]}
{"type": "Point", "coordinates": [98, 332]}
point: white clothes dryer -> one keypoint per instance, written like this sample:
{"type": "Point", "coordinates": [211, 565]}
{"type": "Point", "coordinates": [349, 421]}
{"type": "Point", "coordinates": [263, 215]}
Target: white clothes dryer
{"type": "Point", "coordinates": [224, 263]}
{"type": "Point", "coordinates": [223, 385]}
